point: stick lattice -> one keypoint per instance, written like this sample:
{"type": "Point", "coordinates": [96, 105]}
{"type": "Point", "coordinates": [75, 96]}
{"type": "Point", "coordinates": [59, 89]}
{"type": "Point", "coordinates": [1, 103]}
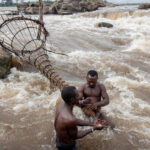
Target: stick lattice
{"type": "Point", "coordinates": [20, 35]}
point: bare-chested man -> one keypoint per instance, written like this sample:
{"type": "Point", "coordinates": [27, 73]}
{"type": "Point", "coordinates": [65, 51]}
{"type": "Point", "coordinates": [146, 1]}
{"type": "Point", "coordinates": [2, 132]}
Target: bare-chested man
{"type": "Point", "coordinates": [66, 123]}
{"type": "Point", "coordinates": [94, 96]}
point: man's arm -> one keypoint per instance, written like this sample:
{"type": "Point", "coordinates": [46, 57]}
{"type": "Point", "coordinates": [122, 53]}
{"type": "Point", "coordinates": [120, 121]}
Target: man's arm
{"type": "Point", "coordinates": [73, 131]}
{"type": "Point", "coordinates": [105, 97]}
{"type": "Point", "coordinates": [83, 133]}
{"type": "Point", "coordinates": [75, 134]}
{"type": "Point", "coordinates": [84, 123]}
{"type": "Point", "coordinates": [81, 89]}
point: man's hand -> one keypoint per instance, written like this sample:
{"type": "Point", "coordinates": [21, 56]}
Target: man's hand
{"type": "Point", "coordinates": [100, 122]}
{"type": "Point", "coordinates": [80, 103]}
{"type": "Point", "coordinates": [98, 127]}
{"type": "Point", "coordinates": [87, 100]}
{"type": "Point", "coordinates": [94, 106]}
{"type": "Point", "coordinates": [84, 102]}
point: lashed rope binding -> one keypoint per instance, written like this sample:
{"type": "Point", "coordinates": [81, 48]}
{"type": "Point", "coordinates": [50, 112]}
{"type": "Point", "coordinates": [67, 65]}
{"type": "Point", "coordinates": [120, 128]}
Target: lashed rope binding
{"type": "Point", "coordinates": [20, 35]}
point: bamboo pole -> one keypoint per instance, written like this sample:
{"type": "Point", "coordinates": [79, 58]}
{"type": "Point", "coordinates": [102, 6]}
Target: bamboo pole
{"type": "Point", "coordinates": [40, 17]}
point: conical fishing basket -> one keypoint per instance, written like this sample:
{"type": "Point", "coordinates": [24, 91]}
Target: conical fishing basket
{"type": "Point", "coordinates": [26, 38]}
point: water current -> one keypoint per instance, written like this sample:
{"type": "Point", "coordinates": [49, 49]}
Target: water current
{"type": "Point", "coordinates": [121, 55]}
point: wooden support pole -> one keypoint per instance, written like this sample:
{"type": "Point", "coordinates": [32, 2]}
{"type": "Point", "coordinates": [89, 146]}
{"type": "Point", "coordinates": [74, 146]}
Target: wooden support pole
{"type": "Point", "coordinates": [40, 17]}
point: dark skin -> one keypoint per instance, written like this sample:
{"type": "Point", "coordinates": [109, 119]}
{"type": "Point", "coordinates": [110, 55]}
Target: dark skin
{"type": "Point", "coordinates": [95, 94]}
{"type": "Point", "coordinates": [66, 123]}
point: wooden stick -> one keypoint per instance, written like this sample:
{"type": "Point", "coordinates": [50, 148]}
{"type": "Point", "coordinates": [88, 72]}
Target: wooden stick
{"type": "Point", "coordinates": [40, 17]}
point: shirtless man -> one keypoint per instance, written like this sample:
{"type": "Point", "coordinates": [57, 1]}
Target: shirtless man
{"type": "Point", "coordinates": [66, 123]}
{"type": "Point", "coordinates": [91, 95]}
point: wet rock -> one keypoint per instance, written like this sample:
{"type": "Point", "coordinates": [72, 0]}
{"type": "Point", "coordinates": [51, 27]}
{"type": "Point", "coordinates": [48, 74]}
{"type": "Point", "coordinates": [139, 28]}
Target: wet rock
{"type": "Point", "coordinates": [72, 6]}
{"type": "Point", "coordinates": [104, 24]}
{"type": "Point", "coordinates": [46, 10]}
{"type": "Point", "coordinates": [144, 6]}
{"type": "Point", "coordinates": [62, 6]}
{"type": "Point", "coordinates": [32, 10]}
{"type": "Point", "coordinates": [5, 63]}
{"type": "Point", "coordinates": [22, 65]}
{"type": "Point", "coordinates": [22, 6]}
{"type": "Point", "coordinates": [16, 63]}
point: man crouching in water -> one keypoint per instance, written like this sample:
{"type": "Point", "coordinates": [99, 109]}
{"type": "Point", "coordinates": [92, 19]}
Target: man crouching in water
{"type": "Point", "coordinates": [93, 96]}
{"type": "Point", "coordinates": [66, 123]}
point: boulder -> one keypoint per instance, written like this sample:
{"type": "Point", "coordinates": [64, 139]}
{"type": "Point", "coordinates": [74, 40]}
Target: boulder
{"type": "Point", "coordinates": [16, 63]}
{"type": "Point", "coordinates": [62, 6]}
{"type": "Point", "coordinates": [22, 6]}
{"type": "Point", "coordinates": [46, 10]}
{"type": "Point", "coordinates": [22, 65]}
{"type": "Point", "coordinates": [92, 6]}
{"type": "Point", "coordinates": [72, 6]}
{"type": "Point", "coordinates": [104, 24]}
{"type": "Point", "coordinates": [5, 63]}
{"type": "Point", "coordinates": [32, 10]}
{"type": "Point", "coordinates": [144, 6]}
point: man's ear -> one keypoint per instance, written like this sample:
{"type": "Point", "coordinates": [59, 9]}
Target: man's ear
{"type": "Point", "coordinates": [72, 101]}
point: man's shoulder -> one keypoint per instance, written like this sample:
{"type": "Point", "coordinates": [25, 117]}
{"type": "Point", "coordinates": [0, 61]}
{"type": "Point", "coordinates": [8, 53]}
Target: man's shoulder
{"type": "Point", "coordinates": [66, 117]}
{"type": "Point", "coordinates": [100, 84]}
{"type": "Point", "coordinates": [59, 105]}
{"type": "Point", "coordinates": [102, 87]}
{"type": "Point", "coordinates": [83, 86]}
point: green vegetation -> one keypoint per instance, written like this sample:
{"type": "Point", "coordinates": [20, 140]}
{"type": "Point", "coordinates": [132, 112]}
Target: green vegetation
{"type": "Point", "coordinates": [9, 3]}
{"type": "Point", "coordinates": [48, 1]}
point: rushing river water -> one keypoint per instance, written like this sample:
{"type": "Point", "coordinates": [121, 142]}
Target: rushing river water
{"type": "Point", "coordinates": [121, 55]}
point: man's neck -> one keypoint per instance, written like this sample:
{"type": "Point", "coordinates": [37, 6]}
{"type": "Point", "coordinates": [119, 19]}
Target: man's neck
{"type": "Point", "coordinates": [69, 107]}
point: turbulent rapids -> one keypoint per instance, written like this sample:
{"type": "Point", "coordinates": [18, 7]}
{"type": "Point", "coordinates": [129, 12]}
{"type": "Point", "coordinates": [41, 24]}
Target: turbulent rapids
{"type": "Point", "coordinates": [121, 56]}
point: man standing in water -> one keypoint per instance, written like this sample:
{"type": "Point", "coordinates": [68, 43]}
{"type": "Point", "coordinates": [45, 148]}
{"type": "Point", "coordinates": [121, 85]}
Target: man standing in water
{"type": "Point", "coordinates": [91, 94]}
{"type": "Point", "coordinates": [66, 123]}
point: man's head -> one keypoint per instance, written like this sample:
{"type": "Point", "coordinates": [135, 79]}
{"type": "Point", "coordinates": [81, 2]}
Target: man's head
{"type": "Point", "coordinates": [70, 95]}
{"type": "Point", "coordinates": [91, 78]}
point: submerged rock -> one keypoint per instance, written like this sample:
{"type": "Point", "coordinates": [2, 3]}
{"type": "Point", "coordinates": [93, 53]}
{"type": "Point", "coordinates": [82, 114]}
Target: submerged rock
{"type": "Point", "coordinates": [5, 63]}
{"type": "Point", "coordinates": [104, 24]}
{"type": "Point", "coordinates": [144, 6]}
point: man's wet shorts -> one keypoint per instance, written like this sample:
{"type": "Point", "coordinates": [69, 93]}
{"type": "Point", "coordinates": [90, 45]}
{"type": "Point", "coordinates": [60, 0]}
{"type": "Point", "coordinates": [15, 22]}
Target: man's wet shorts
{"type": "Point", "coordinates": [70, 146]}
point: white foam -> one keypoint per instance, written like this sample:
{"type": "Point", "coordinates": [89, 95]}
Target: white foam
{"type": "Point", "coordinates": [31, 104]}
{"type": "Point", "coordinates": [18, 107]}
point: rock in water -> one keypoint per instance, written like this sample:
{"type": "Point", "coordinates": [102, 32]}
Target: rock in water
{"type": "Point", "coordinates": [144, 6]}
{"type": "Point", "coordinates": [5, 63]}
{"type": "Point", "coordinates": [104, 24]}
